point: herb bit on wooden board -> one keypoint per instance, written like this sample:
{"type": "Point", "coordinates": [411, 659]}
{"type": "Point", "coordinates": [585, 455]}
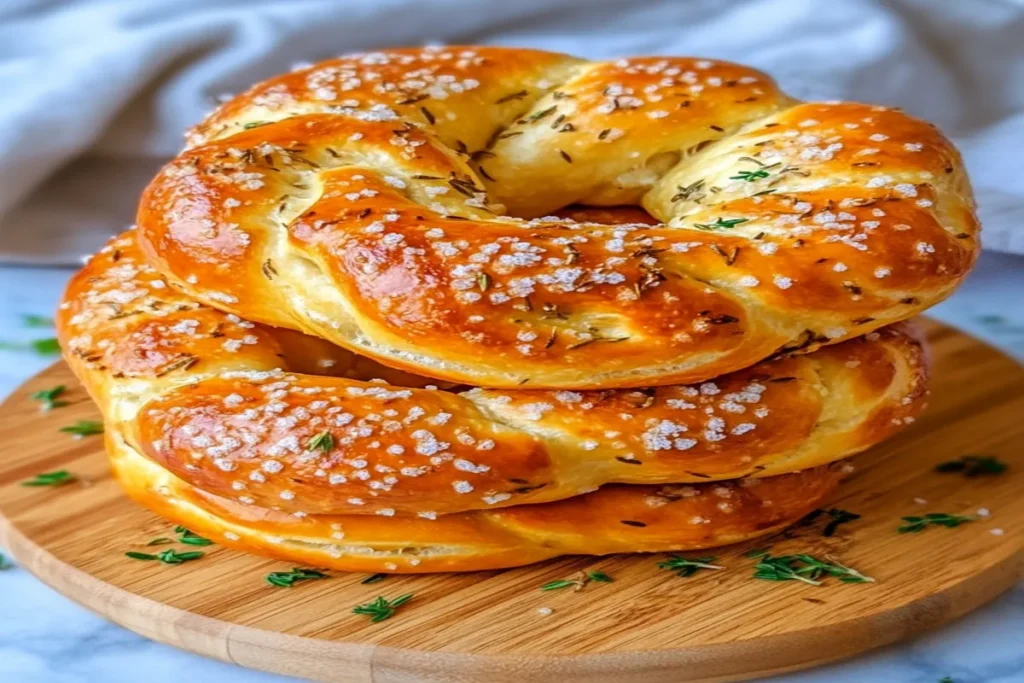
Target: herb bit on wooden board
{"type": "Point", "coordinates": [296, 575]}
{"type": "Point", "coordinates": [578, 582]}
{"type": "Point", "coordinates": [163, 540]}
{"type": "Point", "coordinates": [169, 556]}
{"type": "Point", "coordinates": [83, 428]}
{"type": "Point", "coordinates": [48, 397]}
{"type": "Point", "coordinates": [188, 538]}
{"type": "Point", "coordinates": [685, 567]}
{"type": "Point", "coordinates": [381, 608]}
{"type": "Point", "coordinates": [973, 466]}
{"type": "Point", "coordinates": [916, 523]}
{"type": "Point", "coordinates": [806, 568]}
{"type": "Point", "coordinates": [58, 478]}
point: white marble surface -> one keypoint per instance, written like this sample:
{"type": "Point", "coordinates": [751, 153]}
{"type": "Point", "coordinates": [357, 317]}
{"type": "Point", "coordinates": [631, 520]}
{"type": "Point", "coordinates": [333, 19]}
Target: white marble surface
{"type": "Point", "coordinates": [45, 638]}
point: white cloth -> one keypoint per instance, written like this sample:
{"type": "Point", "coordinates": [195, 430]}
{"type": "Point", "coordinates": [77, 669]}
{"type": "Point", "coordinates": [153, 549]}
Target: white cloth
{"type": "Point", "coordinates": [96, 94]}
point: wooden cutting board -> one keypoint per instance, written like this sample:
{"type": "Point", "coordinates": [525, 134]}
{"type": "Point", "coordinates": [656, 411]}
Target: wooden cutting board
{"type": "Point", "coordinates": [648, 625]}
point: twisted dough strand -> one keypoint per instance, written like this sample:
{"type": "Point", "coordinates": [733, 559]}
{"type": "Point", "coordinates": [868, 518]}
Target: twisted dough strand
{"type": "Point", "coordinates": [359, 200]}
{"type": "Point", "coordinates": [615, 519]}
{"type": "Point", "coordinates": [270, 418]}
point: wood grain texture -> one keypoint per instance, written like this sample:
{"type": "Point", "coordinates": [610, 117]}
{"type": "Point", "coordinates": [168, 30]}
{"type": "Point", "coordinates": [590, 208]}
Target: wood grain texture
{"type": "Point", "coordinates": [646, 626]}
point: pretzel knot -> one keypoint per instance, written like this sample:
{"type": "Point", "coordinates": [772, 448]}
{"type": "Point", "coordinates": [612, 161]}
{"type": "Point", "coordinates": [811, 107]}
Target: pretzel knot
{"type": "Point", "coordinates": [417, 214]}
{"type": "Point", "coordinates": [389, 202]}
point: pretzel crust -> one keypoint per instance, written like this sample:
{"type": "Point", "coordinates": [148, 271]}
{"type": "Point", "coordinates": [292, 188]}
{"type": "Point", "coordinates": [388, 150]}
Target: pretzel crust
{"type": "Point", "coordinates": [614, 519]}
{"type": "Point", "coordinates": [271, 418]}
{"type": "Point", "coordinates": [361, 200]}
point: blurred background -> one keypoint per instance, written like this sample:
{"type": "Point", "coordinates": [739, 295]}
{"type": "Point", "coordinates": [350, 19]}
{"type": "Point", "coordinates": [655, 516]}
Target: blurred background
{"type": "Point", "coordinates": [97, 94]}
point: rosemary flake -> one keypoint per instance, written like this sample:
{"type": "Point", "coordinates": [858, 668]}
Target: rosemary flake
{"type": "Point", "coordinates": [578, 582]}
{"type": "Point", "coordinates": [57, 478]}
{"type": "Point", "coordinates": [83, 428]}
{"type": "Point", "coordinates": [188, 538]}
{"type": "Point", "coordinates": [324, 441]}
{"type": "Point", "coordinates": [684, 567]}
{"type": "Point", "coordinates": [805, 568]}
{"type": "Point", "coordinates": [380, 609]}
{"type": "Point", "coordinates": [296, 575]}
{"type": "Point", "coordinates": [973, 466]}
{"type": "Point", "coordinates": [48, 397]}
{"type": "Point", "coordinates": [917, 523]}
{"type": "Point", "coordinates": [750, 176]}
{"type": "Point", "coordinates": [721, 223]}
{"type": "Point", "coordinates": [169, 556]}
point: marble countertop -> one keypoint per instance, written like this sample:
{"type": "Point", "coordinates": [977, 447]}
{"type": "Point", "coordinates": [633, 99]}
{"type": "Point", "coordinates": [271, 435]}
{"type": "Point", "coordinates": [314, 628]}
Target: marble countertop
{"type": "Point", "coordinates": [45, 638]}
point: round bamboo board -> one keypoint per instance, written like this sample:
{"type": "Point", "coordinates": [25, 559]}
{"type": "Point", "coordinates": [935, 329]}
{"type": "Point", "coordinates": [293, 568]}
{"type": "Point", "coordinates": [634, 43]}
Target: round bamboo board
{"type": "Point", "coordinates": [648, 625]}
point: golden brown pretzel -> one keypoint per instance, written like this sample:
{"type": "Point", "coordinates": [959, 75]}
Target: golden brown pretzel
{"type": "Point", "coordinates": [614, 519]}
{"type": "Point", "coordinates": [247, 412]}
{"type": "Point", "coordinates": [359, 200]}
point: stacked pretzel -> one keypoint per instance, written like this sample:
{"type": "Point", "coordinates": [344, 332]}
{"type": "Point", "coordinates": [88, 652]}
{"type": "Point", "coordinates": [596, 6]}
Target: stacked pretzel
{"type": "Point", "coordinates": [357, 326]}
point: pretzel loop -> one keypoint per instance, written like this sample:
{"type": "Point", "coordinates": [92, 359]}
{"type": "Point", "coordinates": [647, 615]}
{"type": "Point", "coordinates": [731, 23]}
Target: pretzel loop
{"type": "Point", "coordinates": [270, 418]}
{"type": "Point", "coordinates": [384, 202]}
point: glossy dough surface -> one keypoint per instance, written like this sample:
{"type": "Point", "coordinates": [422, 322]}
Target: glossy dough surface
{"type": "Point", "coordinates": [614, 519]}
{"type": "Point", "coordinates": [273, 419]}
{"type": "Point", "coordinates": [395, 204]}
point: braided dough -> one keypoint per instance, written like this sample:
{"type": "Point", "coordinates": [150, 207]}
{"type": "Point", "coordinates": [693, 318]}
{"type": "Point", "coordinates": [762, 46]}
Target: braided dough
{"type": "Point", "coordinates": [389, 202]}
{"type": "Point", "coordinates": [615, 519]}
{"type": "Point", "coordinates": [235, 409]}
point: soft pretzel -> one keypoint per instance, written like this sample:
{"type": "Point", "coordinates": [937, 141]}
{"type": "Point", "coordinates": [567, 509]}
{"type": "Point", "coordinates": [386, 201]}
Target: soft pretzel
{"type": "Point", "coordinates": [361, 200]}
{"type": "Point", "coordinates": [614, 519]}
{"type": "Point", "coordinates": [236, 410]}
